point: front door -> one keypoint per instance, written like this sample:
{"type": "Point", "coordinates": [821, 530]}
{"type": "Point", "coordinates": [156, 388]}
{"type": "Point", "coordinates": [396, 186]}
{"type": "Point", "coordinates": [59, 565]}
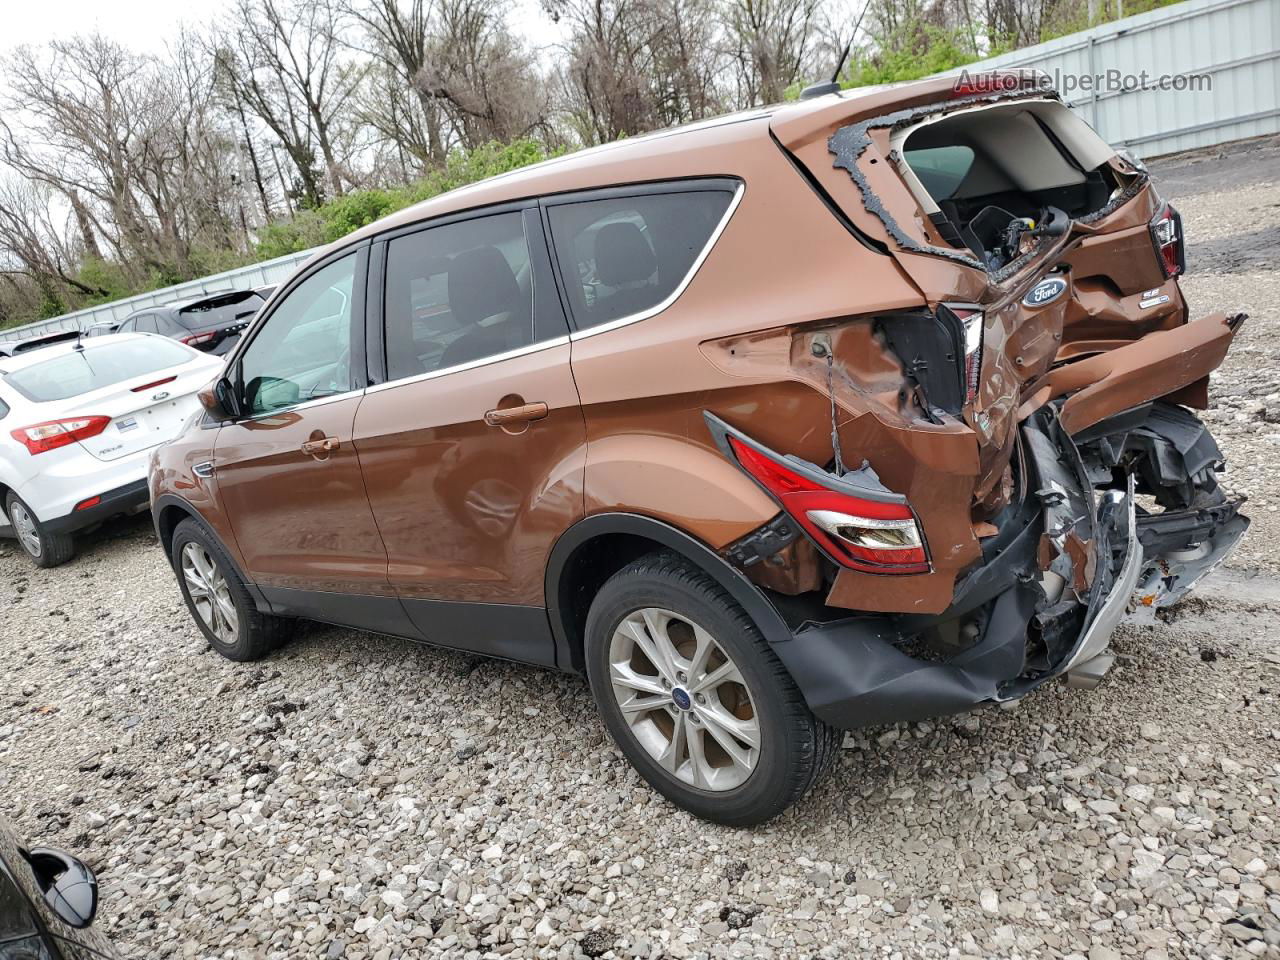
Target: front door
{"type": "Point", "coordinates": [287, 472]}
{"type": "Point", "coordinates": [473, 448]}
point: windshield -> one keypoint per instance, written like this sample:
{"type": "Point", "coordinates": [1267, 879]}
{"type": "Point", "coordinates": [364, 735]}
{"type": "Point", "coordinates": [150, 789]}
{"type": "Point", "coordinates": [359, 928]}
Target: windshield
{"type": "Point", "coordinates": [93, 368]}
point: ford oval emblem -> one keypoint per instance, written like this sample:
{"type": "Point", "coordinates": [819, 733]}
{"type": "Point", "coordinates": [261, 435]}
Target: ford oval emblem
{"type": "Point", "coordinates": [1046, 291]}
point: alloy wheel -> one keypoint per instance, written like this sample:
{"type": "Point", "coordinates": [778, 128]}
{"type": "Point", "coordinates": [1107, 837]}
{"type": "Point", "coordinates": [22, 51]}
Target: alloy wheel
{"type": "Point", "coordinates": [684, 699]}
{"type": "Point", "coordinates": [25, 527]}
{"type": "Point", "coordinates": [210, 594]}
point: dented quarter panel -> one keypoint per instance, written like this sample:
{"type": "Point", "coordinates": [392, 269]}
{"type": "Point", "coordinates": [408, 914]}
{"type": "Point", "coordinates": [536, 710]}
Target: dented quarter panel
{"type": "Point", "coordinates": [645, 385]}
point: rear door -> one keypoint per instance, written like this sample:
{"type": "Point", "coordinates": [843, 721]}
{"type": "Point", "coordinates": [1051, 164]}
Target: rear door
{"type": "Point", "coordinates": [473, 443]}
{"type": "Point", "coordinates": [287, 473]}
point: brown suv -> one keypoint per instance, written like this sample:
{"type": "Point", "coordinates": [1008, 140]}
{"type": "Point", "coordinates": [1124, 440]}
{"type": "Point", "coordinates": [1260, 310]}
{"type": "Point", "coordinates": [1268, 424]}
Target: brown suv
{"type": "Point", "coordinates": [867, 408]}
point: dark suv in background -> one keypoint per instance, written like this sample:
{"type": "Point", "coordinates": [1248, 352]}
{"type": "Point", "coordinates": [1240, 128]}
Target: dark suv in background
{"type": "Point", "coordinates": [211, 323]}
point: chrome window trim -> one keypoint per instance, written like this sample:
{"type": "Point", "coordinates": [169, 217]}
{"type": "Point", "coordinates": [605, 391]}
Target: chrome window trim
{"type": "Point", "coordinates": [472, 364]}
{"type": "Point", "coordinates": [304, 405]}
{"type": "Point", "coordinates": [680, 288]}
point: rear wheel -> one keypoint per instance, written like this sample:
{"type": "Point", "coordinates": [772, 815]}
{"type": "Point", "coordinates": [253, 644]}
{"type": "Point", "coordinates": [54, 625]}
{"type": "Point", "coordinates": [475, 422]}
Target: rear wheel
{"type": "Point", "coordinates": [217, 598]}
{"type": "Point", "coordinates": [46, 547]}
{"type": "Point", "coordinates": [696, 699]}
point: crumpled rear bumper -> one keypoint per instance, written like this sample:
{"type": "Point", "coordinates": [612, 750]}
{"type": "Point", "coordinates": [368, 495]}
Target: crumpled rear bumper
{"type": "Point", "coordinates": [863, 670]}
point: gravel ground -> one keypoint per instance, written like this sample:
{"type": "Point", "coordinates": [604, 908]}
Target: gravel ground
{"type": "Point", "coordinates": [363, 797]}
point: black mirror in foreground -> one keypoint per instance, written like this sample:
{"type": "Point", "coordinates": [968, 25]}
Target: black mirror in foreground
{"type": "Point", "coordinates": [70, 889]}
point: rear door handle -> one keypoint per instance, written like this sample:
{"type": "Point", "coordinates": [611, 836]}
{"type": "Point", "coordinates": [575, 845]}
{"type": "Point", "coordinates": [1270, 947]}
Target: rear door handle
{"type": "Point", "coordinates": [316, 448]}
{"type": "Point", "coordinates": [521, 414]}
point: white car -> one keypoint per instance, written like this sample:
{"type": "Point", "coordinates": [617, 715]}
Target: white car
{"type": "Point", "coordinates": [77, 424]}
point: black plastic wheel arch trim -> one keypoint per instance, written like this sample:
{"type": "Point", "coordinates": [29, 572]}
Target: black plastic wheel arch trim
{"type": "Point", "coordinates": [166, 500]}
{"type": "Point", "coordinates": [558, 589]}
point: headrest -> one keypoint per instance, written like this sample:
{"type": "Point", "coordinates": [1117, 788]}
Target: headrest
{"type": "Point", "coordinates": [623, 255]}
{"type": "Point", "coordinates": [481, 284]}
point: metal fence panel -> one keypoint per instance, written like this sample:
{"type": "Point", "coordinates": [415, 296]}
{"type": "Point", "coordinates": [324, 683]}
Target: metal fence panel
{"type": "Point", "coordinates": [255, 275]}
{"type": "Point", "coordinates": [1234, 43]}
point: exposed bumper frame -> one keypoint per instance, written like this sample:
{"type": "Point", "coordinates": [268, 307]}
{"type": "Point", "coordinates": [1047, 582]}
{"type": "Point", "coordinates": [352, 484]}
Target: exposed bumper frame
{"type": "Point", "coordinates": [853, 672]}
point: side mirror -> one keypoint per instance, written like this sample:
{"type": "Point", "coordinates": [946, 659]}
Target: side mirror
{"type": "Point", "coordinates": [219, 398]}
{"type": "Point", "coordinates": [70, 889]}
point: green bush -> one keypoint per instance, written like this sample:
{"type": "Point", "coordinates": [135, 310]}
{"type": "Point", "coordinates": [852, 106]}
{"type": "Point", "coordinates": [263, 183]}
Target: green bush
{"type": "Point", "coordinates": [334, 220]}
{"type": "Point", "coordinates": [910, 55]}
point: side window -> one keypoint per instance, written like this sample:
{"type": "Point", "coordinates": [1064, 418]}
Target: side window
{"type": "Point", "coordinates": [303, 350]}
{"type": "Point", "coordinates": [457, 293]}
{"type": "Point", "coordinates": [624, 256]}
{"type": "Point", "coordinates": [4, 409]}
{"type": "Point", "coordinates": [127, 326]}
{"type": "Point", "coordinates": [145, 323]}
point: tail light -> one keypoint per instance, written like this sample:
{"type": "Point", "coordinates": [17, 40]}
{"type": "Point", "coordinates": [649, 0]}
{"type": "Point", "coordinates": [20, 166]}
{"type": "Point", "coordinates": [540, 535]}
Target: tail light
{"type": "Point", "coordinates": [196, 339]}
{"type": "Point", "coordinates": [972, 323]}
{"type": "Point", "coordinates": [1166, 236]}
{"type": "Point", "coordinates": [52, 434]}
{"type": "Point", "coordinates": [856, 531]}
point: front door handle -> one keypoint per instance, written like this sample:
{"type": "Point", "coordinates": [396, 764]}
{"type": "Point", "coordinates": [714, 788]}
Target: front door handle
{"type": "Point", "coordinates": [502, 416]}
{"type": "Point", "coordinates": [321, 447]}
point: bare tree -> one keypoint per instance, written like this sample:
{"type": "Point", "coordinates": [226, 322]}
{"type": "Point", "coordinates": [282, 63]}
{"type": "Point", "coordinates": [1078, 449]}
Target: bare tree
{"type": "Point", "coordinates": [126, 140]}
{"type": "Point", "coordinates": [770, 43]}
{"type": "Point", "coordinates": [32, 244]}
{"type": "Point", "coordinates": [404, 112]}
{"type": "Point", "coordinates": [630, 66]}
{"type": "Point", "coordinates": [283, 61]}
{"type": "Point", "coordinates": [482, 75]}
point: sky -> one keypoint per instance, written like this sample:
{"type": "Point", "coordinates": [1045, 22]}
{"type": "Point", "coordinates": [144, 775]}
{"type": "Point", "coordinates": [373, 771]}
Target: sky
{"type": "Point", "coordinates": [147, 24]}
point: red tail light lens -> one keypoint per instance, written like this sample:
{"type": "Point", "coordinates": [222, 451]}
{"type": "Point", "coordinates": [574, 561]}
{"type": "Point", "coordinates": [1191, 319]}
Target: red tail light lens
{"type": "Point", "coordinates": [861, 534]}
{"type": "Point", "coordinates": [198, 338]}
{"type": "Point", "coordinates": [1166, 236]}
{"type": "Point", "coordinates": [52, 434]}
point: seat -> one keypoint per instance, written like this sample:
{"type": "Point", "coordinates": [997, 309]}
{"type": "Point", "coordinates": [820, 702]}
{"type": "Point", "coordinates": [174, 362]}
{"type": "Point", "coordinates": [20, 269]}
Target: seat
{"type": "Point", "coordinates": [626, 262]}
{"type": "Point", "coordinates": [482, 287]}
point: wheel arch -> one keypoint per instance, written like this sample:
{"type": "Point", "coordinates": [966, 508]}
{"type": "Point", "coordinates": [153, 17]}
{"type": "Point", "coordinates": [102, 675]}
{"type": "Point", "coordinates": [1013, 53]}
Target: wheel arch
{"type": "Point", "coordinates": [168, 511]}
{"type": "Point", "coordinates": [596, 547]}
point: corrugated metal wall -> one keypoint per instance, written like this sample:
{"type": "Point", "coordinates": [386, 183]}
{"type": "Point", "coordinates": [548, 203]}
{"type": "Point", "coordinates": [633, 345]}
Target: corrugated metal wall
{"type": "Point", "coordinates": [256, 275]}
{"type": "Point", "coordinates": [1234, 43]}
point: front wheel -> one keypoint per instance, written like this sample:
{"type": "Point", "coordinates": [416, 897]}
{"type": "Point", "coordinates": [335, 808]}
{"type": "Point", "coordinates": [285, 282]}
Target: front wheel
{"type": "Point", "coordinates": [696, 699]}
{"type": "Point", "coordinates": [217, 598]}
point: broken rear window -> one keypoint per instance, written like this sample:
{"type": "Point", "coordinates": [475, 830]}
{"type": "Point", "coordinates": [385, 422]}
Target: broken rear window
{"type": "Point", "coordinates": [988, 174]}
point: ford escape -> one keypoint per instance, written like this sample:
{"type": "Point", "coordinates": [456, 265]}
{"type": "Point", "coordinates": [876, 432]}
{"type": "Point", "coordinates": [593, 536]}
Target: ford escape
{"type": "Point", "coordinates": [868, 408]}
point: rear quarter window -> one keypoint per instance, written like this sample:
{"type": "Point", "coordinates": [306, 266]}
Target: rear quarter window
{"type": "Point", "coordinates": [84, 371]}
{"type": "Point", "coordinates": [625, 256]}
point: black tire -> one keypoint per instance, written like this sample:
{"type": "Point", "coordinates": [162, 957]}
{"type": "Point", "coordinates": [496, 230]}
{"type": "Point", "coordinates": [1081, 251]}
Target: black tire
{"type": "Point", "coordinates": [52, 549]}
{"type": "Point", "coordinates": [257, 633]}
{"type": "Point", "coordinates": [796, 748]}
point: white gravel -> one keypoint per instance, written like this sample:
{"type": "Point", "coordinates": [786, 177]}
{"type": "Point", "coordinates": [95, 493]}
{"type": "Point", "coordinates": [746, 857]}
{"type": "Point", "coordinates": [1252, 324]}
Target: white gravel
{"type": "Point", "coordinates": [362, 797]}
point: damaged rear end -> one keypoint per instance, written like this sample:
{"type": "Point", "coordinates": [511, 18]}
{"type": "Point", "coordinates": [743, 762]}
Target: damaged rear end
{"type": "Point", "coordinates": [1013, 466]}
